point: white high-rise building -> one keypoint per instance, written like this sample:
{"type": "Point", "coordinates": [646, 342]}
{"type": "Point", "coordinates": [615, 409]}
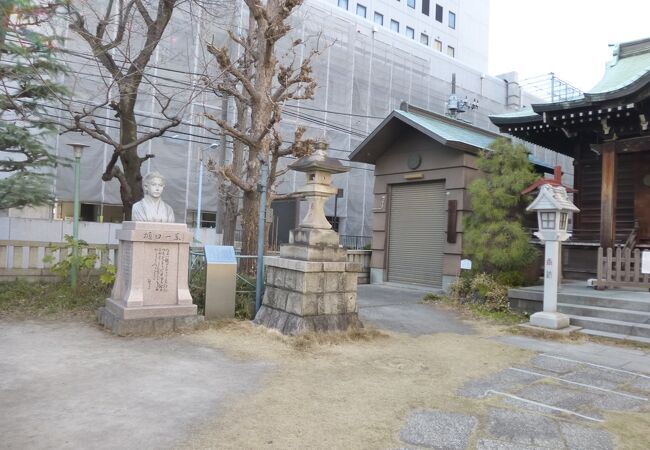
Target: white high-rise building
{"type": "Point", "coordinates": [456, 28]}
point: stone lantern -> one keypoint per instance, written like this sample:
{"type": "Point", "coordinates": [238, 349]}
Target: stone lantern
{"type": "Point", "coordinates": [311, 286]}
{"type": "Point", "coordinates": [553, 207]}
{"type": "Point", "coordinates": [318, 168]}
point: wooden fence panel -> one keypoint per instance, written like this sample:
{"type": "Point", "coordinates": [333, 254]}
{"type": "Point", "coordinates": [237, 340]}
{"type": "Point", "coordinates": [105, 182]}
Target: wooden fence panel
{"type": "Point", "coordinates": [620, 268]}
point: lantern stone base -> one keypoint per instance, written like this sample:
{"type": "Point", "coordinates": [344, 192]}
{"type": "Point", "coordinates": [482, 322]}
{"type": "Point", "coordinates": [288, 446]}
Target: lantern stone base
{"type": "Point", "coordinates": [305, 295]}
{"type": "Point", "coordinates": [151, 293]}
{"type": "Point", "coordinates": [550, 320]}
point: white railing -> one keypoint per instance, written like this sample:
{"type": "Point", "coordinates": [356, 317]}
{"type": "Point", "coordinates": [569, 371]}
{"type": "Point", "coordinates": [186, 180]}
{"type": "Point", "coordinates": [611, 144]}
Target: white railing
{"type": "Point", "coordinates": [32, 259]}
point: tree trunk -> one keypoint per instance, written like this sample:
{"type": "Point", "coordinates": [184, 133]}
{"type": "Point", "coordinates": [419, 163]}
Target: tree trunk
{"type": "Point", "coordinates": [131, 190]}
{"type": "Point", "coordinates": [231, 208]}
{"type": "Point", "coordinates": [231, 200]}
{"type": "Point", "coordinates": [249, 220]}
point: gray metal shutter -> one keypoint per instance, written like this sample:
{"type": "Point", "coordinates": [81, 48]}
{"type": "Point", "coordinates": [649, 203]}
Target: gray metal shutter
{"type": "Point", "coordinates": [417, 233]}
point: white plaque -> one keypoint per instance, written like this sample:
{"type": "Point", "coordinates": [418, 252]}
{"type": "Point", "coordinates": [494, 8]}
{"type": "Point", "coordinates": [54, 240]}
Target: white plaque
{"type": "Point", "coordinates": [466, 264]}
{"type": "Point", "coordinates": [645, 261]}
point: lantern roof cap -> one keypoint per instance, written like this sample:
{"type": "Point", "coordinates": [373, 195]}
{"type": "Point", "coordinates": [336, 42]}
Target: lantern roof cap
{"type": "Point", "coordinates": [552, 198]}
{"type": "Point", "coordinates": [319, 160]}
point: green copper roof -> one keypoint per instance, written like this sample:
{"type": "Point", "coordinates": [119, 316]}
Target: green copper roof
{"type": "Point", "coordinates": [631, 62]}
{"type": "Point", "coordinates": [449, 131]}
{"type": "Point", "coordinates": [526, 114]}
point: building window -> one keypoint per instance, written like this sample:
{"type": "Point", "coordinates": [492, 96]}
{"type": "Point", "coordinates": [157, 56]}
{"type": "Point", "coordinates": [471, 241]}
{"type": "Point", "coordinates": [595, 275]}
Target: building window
{"type": "Point", "coordinates": [394, 25]}
{"type": "Point", "coordinates": [425, 7]}
{"type": "Point", "coordinates": [343, 4]}
{"type": "Point", "coordinates": [424, 39]}
{"type": "Point", "coordinates": [452, 20]}
{"type": "Point", "coordinates": [438, 13]}
{"type": "Point", "coordinates": [379, 18]}
{"type": "Point", "coordinates": [410, 32]}
{"type": "Point", "coordinates": [361, 11]}
{"type": "Point", "coordinates": [411, 3]}
{"type": "Point", "coordinates": [437, 45]}
{"type": "Point", "coordinates": [451, 51]}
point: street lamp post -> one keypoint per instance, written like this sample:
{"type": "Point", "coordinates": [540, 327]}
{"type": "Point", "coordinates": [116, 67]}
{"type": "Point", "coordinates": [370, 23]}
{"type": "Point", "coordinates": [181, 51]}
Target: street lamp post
{"type": "Point", "coordinates": [77, 148]}
{"type": "Point", "coordinates": [197, 230]}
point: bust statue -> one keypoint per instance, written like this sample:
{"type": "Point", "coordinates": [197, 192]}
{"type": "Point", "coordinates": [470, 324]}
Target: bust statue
{"type": "Point", "coordinates": [151, 208]}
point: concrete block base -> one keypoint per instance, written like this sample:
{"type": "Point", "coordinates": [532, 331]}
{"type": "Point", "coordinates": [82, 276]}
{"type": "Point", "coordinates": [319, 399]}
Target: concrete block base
{"type": "Point", "coordinates": [550, 320]}
{"type": "Point", "coordinates": [376, 275]}
{"type": "Point", "coordinates": [292, 324]}
{"type": "Point", "coordinates": [146, 326]}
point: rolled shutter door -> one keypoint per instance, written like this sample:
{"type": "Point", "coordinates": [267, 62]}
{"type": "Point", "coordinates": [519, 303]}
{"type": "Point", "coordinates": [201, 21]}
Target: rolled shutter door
{"type": "Point", "coordinates": [416, 233]}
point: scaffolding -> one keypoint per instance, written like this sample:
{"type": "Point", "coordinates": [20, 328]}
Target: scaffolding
{"type": "Point", "coordinates": [550, 88]}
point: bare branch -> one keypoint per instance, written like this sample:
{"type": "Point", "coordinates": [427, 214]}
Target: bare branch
{"type": "Point", "coordinates": [144, 13]}
{"type": "Point", "coordinates": [222, 55]}
{"type": "Point", "coordinates": [232, 131]}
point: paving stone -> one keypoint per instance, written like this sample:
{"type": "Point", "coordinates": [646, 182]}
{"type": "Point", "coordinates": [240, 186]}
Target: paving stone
{"type": "Point", "coordinates": [489, 444]}
{"type": "Point", "coordinates": [577, 400]}
{"type": "Point", "coordinates": [579, 437]}
{"type": "Point", "coordinates": [439, 429]}
{"type": "Point", "coordinates": [640, 365]}
{"type": "Point", "coordinates": [594, 376]}
{"type": "Point", "coordinates": [503, 381]}
{"type": "Point", "coordinates": [553, 365]}
{"type": "Point", "coordinates": [613, 402]}
{"type": "Point", "coordinates": [520, 427]}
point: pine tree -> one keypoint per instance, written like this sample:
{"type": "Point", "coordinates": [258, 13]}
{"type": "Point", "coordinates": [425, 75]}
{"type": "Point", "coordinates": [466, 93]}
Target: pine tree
{"type": "Point", "coordinates": [28, 71]}
{"type": "Point", "coordinates": [494, 237]}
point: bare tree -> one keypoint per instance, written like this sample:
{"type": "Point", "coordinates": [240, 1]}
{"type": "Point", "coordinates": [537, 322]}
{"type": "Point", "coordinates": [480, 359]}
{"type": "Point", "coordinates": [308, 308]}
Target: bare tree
{"type": "Point", "coordinates": [261, 79]}
{"type": "Point", "coordinates": [122, 37]}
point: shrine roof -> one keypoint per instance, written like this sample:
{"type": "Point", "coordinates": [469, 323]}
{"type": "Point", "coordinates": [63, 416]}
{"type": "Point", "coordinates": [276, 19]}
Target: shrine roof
{"type": "Point", "coordinates": [445, 130]}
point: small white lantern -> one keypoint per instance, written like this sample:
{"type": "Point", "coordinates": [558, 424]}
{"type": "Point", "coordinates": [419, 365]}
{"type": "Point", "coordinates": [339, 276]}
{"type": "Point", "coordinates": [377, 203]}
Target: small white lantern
{"type": "Point", "coordinates": [553, 207]}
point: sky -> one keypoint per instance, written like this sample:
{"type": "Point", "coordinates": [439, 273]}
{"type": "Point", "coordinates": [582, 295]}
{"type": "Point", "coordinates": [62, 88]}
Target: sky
{"type": "Point", "coordinates": [567, 37]}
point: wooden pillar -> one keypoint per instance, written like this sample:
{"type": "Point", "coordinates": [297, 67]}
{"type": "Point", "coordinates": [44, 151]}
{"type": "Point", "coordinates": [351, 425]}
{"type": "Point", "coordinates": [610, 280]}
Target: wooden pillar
{"type": "Point", "coordinates": [608, 196]}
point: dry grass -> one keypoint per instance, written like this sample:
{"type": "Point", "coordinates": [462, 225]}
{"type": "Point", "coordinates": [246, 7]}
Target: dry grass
{"type": "Point", "coordinates": [350, 390]}
{"type": "Point", "coordinates": [355, 390]}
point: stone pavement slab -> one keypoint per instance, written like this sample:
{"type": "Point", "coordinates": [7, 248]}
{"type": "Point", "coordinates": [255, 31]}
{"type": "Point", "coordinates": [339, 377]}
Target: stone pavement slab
{"type": "Point", "coordinates": [72, 386]}
{"type": "Point", "coordinates": [395, 308]}
{"type": "Point", "coordinates": [612, 356]}
{"type": "Point", "coordinates": [439, 430]}
{"type": "Point", "coordinates": [580, 437]}
{"type": "Point", "coordinates": [519, 427]}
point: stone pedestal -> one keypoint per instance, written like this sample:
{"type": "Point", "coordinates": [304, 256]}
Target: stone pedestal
{"type": "Point", "coordinates": [151, 293]}
{"type": "Point", "coordinates": [310, 287]}
{"type": "Point", "coordinates": [550, 320]}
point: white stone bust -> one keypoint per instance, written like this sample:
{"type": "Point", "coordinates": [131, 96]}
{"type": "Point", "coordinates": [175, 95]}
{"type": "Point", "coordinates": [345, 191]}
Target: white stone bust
{"type": "Point", "coordinates": [151, 208]}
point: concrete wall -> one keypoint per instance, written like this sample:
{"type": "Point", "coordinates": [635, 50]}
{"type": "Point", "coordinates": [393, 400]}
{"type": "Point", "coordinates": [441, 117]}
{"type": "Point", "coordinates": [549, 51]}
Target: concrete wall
{"type": "Point", "coordinates": [455, 167]}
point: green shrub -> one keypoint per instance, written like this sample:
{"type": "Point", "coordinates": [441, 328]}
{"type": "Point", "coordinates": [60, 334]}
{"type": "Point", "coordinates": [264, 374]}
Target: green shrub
{"type": "Point", "coordinates": [489, 293]}
{"type": "Point", "coordinates": [482, 290]}
{"type": "Point", "coordinates": [494, 236]}
{"type": "Point", "coordinates": [197, 285]}
{"type": "Point", "coordinates": [25, 299]}
{"type": "Point", "coordinates": [245, 298]}
{"type": "Point", "coordinates": [460, 288]}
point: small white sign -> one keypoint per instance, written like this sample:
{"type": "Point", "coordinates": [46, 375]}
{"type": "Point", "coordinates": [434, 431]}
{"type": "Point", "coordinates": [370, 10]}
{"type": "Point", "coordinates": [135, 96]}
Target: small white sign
{"type": "Point", "coordinates": [645, 261]}
{"type": "Point", "coordinates": [467, 264]}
